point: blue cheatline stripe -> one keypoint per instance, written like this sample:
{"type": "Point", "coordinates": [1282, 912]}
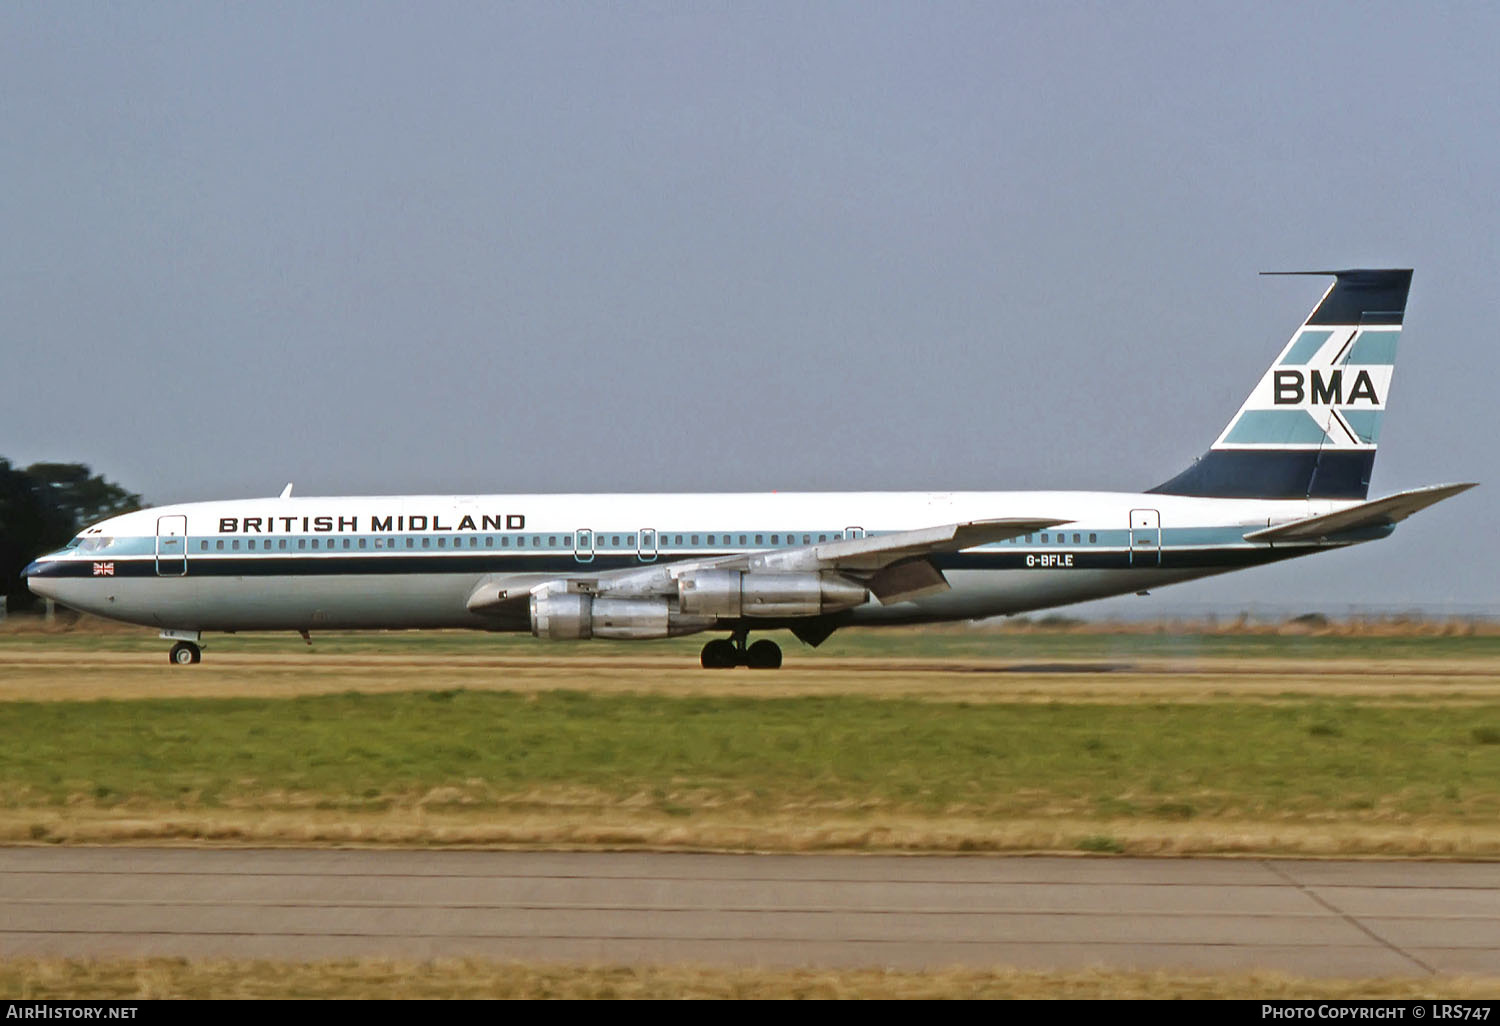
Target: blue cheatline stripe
{"type": "Point", "coordinates": [562, 556]}
{"type": "Point", "coordinates": [1061, 557]}
{"type": "Point", "coordinates": [1374, 347]}
{"type": "Point", "coordinates": [1276, 427]}
{"type": "Point", "coordinates": [1308, 343]}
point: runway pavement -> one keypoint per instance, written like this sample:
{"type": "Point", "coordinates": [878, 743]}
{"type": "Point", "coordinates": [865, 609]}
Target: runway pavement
{"type": "Point", "coordinates": [1306, 917]}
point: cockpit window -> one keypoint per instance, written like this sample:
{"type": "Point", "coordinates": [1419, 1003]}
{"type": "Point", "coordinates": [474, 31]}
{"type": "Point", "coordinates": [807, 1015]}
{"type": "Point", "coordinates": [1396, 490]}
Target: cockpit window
{"type": "Point", "coordinates": [95, 544]}
{"type": "Point", "coordinates": [73, 544]}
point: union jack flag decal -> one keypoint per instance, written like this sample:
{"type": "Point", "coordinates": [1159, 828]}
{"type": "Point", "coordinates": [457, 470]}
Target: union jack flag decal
{"type": "Point", "coordinates": [104, 569]}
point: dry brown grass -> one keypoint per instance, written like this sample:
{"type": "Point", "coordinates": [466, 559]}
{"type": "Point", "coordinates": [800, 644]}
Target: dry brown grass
{"type": "Point", "coordinates": [159, 978]}
{"type": "Point", "coordinates": [573, 821]}
{"type": "Point", "coordinates": [39, 673]}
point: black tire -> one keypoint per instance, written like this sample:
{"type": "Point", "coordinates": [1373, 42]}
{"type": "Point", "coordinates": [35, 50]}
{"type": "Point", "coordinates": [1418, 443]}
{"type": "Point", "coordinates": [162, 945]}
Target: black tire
{"type": "Point", "coordinates": [763, 655]}
{"type": "Point", "coordinates": [718, 655]}
{"type": "Point", "coordinates": [185, 653]}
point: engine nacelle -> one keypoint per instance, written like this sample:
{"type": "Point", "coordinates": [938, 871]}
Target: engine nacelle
{"type": "Point", "coordinates": [570, 617]}
{"type": "Point", "coordinates": [735, 593]}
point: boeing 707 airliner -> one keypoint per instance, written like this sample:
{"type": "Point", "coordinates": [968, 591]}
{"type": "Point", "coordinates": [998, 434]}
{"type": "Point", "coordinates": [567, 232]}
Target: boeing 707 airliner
{"type": "Point", "coordinates": [1288, 476]}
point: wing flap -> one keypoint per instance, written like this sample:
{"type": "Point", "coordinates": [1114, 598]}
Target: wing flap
{"type": "Point", "coordinates": [1376, 513]}
{"type": "Point", "coordinates": [910, 580]}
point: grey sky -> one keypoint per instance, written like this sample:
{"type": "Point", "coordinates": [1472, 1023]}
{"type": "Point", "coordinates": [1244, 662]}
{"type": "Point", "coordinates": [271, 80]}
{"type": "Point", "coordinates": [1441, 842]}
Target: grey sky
{"type": "Point", "coordinates": [384, 248]}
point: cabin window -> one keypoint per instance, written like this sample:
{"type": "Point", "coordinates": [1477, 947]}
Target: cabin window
{"type": "Point", "coordinates": [1044, 539]}
{"type": "Point", "coordinates": [742, 539]}
{"type": "Point", "coordinates": [775, 539]}
{"type": "Point", "coordinates": [630, 540]}
{"type": "Point", "coordinates": [282, 544]}
{"type": "Point", "coordinates": [219, 544]}
{"type": "Point", "coordinates": [505, 541]}
{"type": "Point", "coordinates": [203, 546]}
{"type": "Point", "coordinates": [536, 541]}
{"type": "Point", "coordinates": [679, 540]}
{"type": "Point", "coordinates": [822, 537]}
{"type": "Point", "coordinates": [1061, 538]}
{"type": "Point", "coordinates": [759, 539]}
{"type": "Point", "coordinates": [1075, 539]}
{"type": "Point", "coordinates": [426, 543]}
{"type": "Point", "coordinates": [807, 539]}
{"type": "Point", "coordinates": [361, 543]}
{"type": "Point", "coordinates": [1093, 537]}
{"type": "Point", "coordinates": [489, 541]}
{"type": "Point", "coordinates": [301, 543]}
{"type": "Point", "coordinates": [520, 541]}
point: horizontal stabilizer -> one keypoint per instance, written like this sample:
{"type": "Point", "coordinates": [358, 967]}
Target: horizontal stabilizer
{"type": "Point", "coordinates": [1377, 513]}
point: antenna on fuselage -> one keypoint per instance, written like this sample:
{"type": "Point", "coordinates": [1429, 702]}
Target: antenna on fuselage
{"type": "Point", "coordinates": [286, 493]}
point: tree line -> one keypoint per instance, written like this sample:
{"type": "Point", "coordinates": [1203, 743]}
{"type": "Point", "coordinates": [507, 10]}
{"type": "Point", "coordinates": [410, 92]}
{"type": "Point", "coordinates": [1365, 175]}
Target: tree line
{"type": "Point", "coordinates": [41, 507]}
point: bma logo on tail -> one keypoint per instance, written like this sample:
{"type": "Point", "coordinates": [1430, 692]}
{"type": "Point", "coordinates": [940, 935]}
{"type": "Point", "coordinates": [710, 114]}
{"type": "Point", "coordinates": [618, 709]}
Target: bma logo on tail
{"type": "Point", "coordinates": [1292, 389]}
{"type": "Point", "coordinates": [1329, 386]}
{"type": "Point", "coordinates": [1309, 428]}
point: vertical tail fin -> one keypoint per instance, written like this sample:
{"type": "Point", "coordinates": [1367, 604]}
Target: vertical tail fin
{"type": "Point", "coordinates": [1310, 427]}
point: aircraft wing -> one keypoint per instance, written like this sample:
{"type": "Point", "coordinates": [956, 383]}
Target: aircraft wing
{"type": "Point", "coordinates": [1376, 513]}
{"type": "Point", "coordinates": [892, 565]}
{"type": "Point", "coordinates": [896, 564]}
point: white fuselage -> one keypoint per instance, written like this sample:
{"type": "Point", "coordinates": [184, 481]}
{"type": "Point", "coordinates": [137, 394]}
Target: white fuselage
{"type": "Point", "coordinates": [308, 563]}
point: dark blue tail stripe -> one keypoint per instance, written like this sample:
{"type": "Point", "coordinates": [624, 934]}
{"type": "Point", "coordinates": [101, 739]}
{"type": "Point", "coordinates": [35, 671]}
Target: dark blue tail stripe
{"type": "Point", "coordinates": [1275, 474]}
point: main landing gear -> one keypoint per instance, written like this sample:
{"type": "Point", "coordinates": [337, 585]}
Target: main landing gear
{"type": "Point", "coordinates": [732, 651]}
{"type": "Point", "coordinates": [185, 653]}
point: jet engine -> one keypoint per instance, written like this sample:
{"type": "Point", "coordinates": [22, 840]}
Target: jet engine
{"type": "Point", "coordinates": [570, 617]}
{"type": "Point", "coordinates": [736, 593]}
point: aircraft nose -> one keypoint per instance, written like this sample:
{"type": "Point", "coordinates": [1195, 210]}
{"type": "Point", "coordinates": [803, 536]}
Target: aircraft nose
{"type": "Point", "coordinates": [39, 578]}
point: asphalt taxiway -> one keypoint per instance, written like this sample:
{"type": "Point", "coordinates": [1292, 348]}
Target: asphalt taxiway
{"type": "Point", "coordinates": [1322, 918]}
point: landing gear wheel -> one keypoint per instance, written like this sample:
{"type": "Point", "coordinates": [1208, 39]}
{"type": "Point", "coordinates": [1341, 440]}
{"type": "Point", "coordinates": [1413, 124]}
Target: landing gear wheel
{"type": "Point", "coordinates": [719, 655]}
{"type": "Point", "coordinates": [763, 655]}
{"type": "Point", "coordinates": [185, 653]}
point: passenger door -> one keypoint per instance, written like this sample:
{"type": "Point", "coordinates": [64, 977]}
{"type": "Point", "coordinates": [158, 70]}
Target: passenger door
{"type": "Point", "coordinates": [171, 546]}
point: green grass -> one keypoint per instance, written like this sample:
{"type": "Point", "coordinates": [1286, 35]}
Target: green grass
{"type": "Point", "coordinates": [1319, 760]}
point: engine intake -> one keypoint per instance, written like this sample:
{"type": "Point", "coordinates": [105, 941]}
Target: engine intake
{"type": "Point", "coordinates": [735, 594]}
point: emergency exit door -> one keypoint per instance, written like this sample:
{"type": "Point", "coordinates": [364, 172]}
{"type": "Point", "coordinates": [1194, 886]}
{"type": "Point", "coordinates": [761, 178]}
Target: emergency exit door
{"type": "Point", "coordinates": [1145, 537]}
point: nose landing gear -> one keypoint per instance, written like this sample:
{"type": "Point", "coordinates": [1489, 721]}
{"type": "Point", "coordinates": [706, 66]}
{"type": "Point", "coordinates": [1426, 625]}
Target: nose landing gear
{"type": "Point", "coordinates": [187, 650]}
{"type": "Point", "coordinates": [724, 653]}
{"type": "Point", "coordinates": [185, 653]}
